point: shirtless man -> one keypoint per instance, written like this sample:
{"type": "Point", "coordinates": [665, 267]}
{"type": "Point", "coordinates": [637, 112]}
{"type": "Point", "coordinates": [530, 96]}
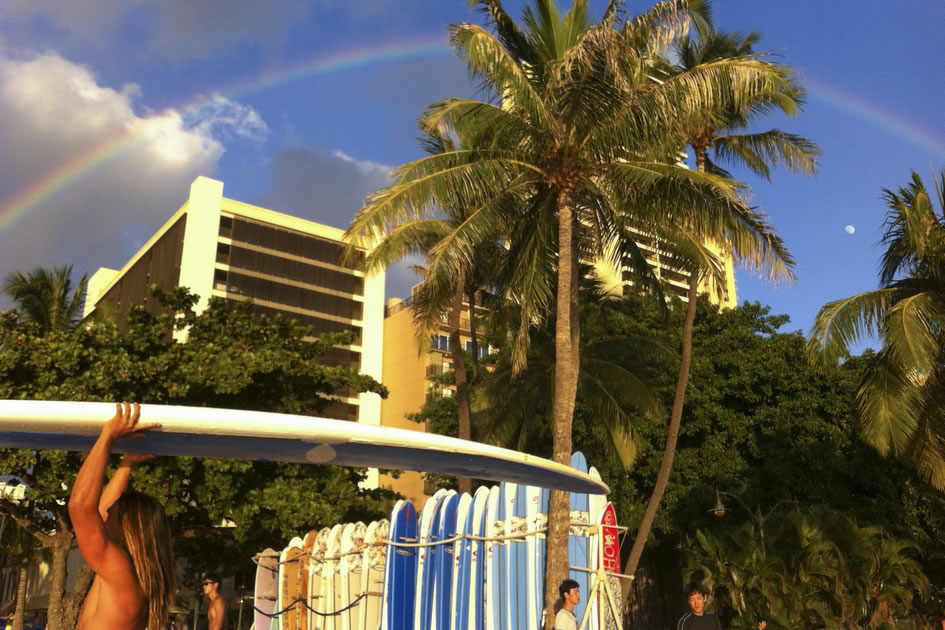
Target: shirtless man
{"type": "Point", "coordinates": [216, 608]}
{"type": "Point", "coordinates": [124, 538]}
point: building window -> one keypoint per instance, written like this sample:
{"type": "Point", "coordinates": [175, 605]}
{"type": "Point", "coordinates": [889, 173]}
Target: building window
{"type": "Point", "coordinates": [219, 279]}
{"type": "Point", "coordinates": [226, 226]}
{"type": "Point", "coordinates": [440, 342]}
{"type": "Point", "coordinates": [482, 349]}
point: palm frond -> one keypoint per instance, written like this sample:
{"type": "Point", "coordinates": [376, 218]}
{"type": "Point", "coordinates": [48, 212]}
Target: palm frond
{"type": "Point", "coordinates": [760, 151]}
{"type": "Point", "coordinates": [507, 31]}
{"type": "Point", "coordinates": [840, 323]}
{"type": "Point", "coordinates": [409, 238]}
{"type": "Point", "coordinates": [910, 331]}
{"type": "Point", "coordinates": [506, 77]}
{"type": "Point", "coordinates": [890, 406]}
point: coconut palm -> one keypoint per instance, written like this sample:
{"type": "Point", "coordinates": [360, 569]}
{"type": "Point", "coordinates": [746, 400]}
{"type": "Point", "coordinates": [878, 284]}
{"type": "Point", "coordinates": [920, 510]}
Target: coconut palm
{"type": "Point", "coordinates": [901, 400]}
{"type": "Point", "coordinates": [513, 409]}
{"type": "Point", "coordinates": [702, 130]}
{"type": "Point", "coordinates": [46, 296]}
{"type": "Point", "coordinates": [759, 151]}
{"type": "Point", "coordinates": [443, 290]}
{"type": "Point", "coordinates": [580, 150]}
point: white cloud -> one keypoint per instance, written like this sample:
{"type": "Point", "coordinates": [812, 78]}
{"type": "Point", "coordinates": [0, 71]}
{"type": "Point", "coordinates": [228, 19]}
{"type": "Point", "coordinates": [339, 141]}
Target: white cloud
{"type": "Point", "coordinates": [118, 174]}
{"type": "Point", "coordinates": [364, 166]}
{"type": "Point", "coordinates": [221, 116]}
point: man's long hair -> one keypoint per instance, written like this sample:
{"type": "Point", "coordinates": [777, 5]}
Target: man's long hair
{"type": "Point", "coordinates": [149, 542]}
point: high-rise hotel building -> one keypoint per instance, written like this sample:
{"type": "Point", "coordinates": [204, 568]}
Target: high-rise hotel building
{"type": "Point", "coordinates": [216, 246]}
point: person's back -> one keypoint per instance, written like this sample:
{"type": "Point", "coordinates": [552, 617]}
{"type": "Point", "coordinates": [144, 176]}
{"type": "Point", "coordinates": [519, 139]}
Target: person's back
{"type": "Point", "coordinates": [123, 537]}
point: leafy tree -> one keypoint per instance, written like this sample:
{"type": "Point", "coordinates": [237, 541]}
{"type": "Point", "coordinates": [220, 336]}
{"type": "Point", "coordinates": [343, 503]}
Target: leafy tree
{"type": "Point", "coordinates": [582, 137]}
{"type": "Point", "coordinates": [231, 359]}
{"type": "Point", "coordinates": [46, 296]}
{"type": "Point", "coordinates": [901, 401]}
{"type": "Point", "coordinates": [818, 569]}
{"type": "Point", "coordinates": [762, 424]}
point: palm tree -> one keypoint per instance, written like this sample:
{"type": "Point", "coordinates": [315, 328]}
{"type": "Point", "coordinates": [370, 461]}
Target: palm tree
{"type": "Point", "coordinates": [579, 151]}
{"type": "Point", "coordinates": [46, 296]}
{"type": "Point", "coordinates": [901, 400]}
{"type": "Point", "coordinates": [758, 151]}
{"type": "Point", "coordinates": [442, 293]}
{"type": "Point", "coordinates": [512, 408]}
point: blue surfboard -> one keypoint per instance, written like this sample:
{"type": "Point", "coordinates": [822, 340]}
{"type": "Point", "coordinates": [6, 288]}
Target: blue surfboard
{"type": "Point", "coordinates": [462, 561]}
{"type": "Point", "coordinates": [434, 552]}
{"type": "Point", "coordinates": [477, 560]}
{"type": "Point", "coordinates": [579, 539]}
{"type": "Point", "coordinates": [442, 589]}
{"type": "Point", "coordinates": [520, 569]}
{"type": "Point", "coordinates": [495, 527]}
{"type": "Point", "coordinates": [400, 582]}
{"type": "Point", "coordinates": [423, 610]}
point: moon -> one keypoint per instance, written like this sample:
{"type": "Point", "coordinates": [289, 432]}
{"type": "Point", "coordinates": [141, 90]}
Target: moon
{"type": "Point", "coordinates": [849, 229]}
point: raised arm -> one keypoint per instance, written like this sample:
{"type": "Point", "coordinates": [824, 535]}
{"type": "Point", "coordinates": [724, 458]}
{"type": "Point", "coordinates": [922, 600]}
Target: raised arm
{"type": "Point", "coordinates": [119, 482]}
{"type": "Point", "coordinates": [102, 555]}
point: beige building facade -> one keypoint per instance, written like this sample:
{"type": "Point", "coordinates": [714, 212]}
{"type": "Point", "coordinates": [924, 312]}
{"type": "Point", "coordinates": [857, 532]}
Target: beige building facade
{"type": "Point", "coordinates": [286, 265]}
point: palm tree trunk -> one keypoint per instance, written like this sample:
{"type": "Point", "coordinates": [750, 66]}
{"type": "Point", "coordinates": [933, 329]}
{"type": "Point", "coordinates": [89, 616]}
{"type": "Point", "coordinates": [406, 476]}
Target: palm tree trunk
{"type": "Point", "coordinates": [459, 368]}
{"type": "Point", "coordinates": [20, 610]}
{"type": "Point", "coordinates": [565, 381]}
{"type": "Point", "coordinates": [662, 479]}
{"type": "Point", "coordinates": [474, 371]}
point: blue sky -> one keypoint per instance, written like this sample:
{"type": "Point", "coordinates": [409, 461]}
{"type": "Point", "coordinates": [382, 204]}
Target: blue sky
{"type": "Point", "coordinates": [246, 92]}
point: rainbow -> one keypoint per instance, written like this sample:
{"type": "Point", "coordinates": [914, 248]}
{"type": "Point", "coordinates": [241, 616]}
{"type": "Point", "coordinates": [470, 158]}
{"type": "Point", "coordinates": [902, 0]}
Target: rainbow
{"type": "Point", "coordinates": [77, 166]}
{"type": "Point", "coordinates": [894, 124]}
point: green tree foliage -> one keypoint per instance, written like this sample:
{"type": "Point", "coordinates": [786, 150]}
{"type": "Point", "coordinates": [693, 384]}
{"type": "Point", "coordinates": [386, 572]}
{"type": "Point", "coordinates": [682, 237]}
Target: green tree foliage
{"type": "Point", "coordinates": [581, 151]}
{"type": "Point", "coordinates": [901, 400]}
{"type": "Point", "coordinates": [231, 359]}
{"type": "Point", "coordinates": [808, 569]}
{"type": "Point", "coordinates": [760, 423]}
{"type": "Point", "coordinates": [46, 296]}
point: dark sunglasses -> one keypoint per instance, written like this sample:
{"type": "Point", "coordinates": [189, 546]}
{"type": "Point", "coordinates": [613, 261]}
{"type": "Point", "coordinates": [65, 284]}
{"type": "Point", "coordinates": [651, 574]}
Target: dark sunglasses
{"type": "Point", "coordinates": [205, 582]}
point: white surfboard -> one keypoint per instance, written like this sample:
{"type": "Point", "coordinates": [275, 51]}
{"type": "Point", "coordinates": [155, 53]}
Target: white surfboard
{"type": "Point", "coordinates": [315, 582]}
{"type": "Point", "coordinates": [256, 435]}
{"type": "Point", "coordinates": [372, 579]}
{"type": "Point", "coordinates": [329, 567]}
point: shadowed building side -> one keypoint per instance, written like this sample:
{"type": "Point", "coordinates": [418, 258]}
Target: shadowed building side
{"type": "Point", "coordinates": [285, 265]}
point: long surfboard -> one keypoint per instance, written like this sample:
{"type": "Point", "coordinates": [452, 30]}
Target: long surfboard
{"type": "Point", "coordinates": [462, 558]}
{"type": "Point", "coordinates": [265, 593]}
{"type": "Point", "coordinates": [329, 568]}
{"type": "Point", "coordinates": [256, 435]}
{"type": "Point", "coordinates": [423, 607]}
{"type": "Point", "coordinates": [315, 596]}
{"type": "Point", "coordinates": [495, 527]}
{"type": "Point", "coordinates": [443, 588]}
{"type": "Point", "coordinates": [289, 584]}
{"type": "Point", "coordinates": [596, 504]}
{"type": "Point", "coordinates": [610, 554]}
{"type": "Point", "coordinates": [372, 578]}
{"type": "Point", "coordinates": [578, 537]}
{"type": "Point", "coordinates": [400, 582]}
{"type": "Point", "coordinates": [305, 571]}
{"type": "Point", "coordinates": [477, 559]}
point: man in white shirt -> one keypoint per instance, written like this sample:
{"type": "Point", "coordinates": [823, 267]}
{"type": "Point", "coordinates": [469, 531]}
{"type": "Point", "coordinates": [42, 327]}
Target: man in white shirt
{"type": "Point", "coordinates": [570, 597]}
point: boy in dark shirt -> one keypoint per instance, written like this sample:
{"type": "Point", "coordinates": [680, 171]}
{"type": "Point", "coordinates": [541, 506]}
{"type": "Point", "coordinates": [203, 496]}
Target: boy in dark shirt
{"type": "Point", "coordinates": [697, 618]}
